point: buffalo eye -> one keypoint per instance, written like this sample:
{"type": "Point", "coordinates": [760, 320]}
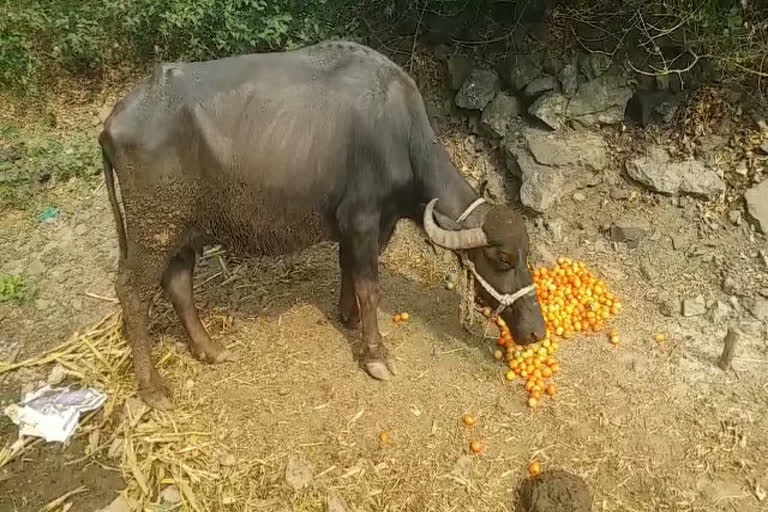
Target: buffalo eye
{"type": "Point", "coordinates": [505, 261]}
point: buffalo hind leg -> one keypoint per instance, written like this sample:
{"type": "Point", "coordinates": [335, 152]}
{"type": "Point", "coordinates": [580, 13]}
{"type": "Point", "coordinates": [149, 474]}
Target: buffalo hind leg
{"type": "Point", "coordinates": [136, 281]}
{"type": "Point", "coordinates": [177, 282]}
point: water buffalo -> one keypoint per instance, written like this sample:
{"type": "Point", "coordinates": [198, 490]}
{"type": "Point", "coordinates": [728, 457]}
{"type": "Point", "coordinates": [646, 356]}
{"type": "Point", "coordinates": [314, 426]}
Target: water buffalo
{"type": "Point", "coordinates": [274, 152]}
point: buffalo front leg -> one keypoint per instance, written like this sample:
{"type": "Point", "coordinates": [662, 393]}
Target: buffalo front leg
{"type": "Point", "coordinates": [135, 284]}
{"type": "Point", "coordinates": [348, 309]}
{"type": "Point", "coordinates": [177, 282]}
{"type": "Point", "coordinates": [363, 251]}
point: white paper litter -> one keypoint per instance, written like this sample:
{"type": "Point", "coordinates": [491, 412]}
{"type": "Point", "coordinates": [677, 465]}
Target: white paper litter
{"type": "Point", "coordinates": [53, 413]}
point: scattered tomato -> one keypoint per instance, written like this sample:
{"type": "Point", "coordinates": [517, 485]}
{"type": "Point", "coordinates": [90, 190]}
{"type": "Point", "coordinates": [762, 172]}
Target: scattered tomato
{"type": "Point", "coordinates": [498, 355]}
{"type": "Point", "coordinates": [405, 316]}
{"type": "Point", "coordinates": [660, 337]}
{"type": "Point", "coordinates": [469, 420]}
{"type": "Point", "coordinates": [477, 447]}
{"type": "Point", "coordinates": [534, 469]}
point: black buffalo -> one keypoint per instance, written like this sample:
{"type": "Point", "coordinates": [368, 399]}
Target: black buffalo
{"type": "Point", "coordinates": [272, 153]}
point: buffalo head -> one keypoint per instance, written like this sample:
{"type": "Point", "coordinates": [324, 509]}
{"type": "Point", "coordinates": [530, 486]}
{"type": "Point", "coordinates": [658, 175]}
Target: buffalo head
{"type": "Point", "coordinates": [499, 252]}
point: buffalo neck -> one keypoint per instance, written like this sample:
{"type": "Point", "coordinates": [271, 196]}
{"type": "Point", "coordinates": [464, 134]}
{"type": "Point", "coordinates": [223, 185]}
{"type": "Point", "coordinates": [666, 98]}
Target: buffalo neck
{"type": "Point", "coordinates": [452, 190]}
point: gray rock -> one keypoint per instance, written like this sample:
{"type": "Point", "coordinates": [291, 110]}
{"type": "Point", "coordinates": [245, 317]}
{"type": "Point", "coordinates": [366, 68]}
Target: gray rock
{"type": "Point", "coordinates": [499, 112]}
{"type": "Point", "coordinates": [576, 148]}
{"type": "Point", "coordinates": [757, 205]}
{"type": "Point", "coordinates": [735, 217]}
{"type": "Point", "coordinates": [57, 375]}
{"type": "Point", "coordinates": [518, 71]}
{"type": "Point", "coordinates": [579, 197]}
{"type": "Point", "coordinates": [718, 312]}
{"type": "Point", "coordinates": [459, 68]}
{"type": "Point", "coordinates": [551, 165]}
{"type": "Point", "coordinates": [336, 504]}
{"type": "Point", "coordinates": [299, 473]}
{"type": "Point", "coordinates": [758, 307]}
{"type": "Point", "coordinates": [656, 171]}
{"type": "Point", "coordinates": [36, 268]}
{"type": "Point", "coordinates": [694, 307]}
{"type": "Point", "coordinates": [494, 188]}
{"type": "Point", "coordinates": [541, 85]}
{"type": "Point", "coordinates": [668, 307]}
{"type": "Point", "coordinates": [227, 459]}
{"type": "Point", "coordinates": [115, 449]}
{"type": "Point", "coordinates": [80, 229]}
{"type": "Point", "coordinates": [555, 228]}
{"type": "Point", "coordinates": [478, 89]}
{"type": "Point", "coordinates": [601, 101]}
{"type": "Point", "coordinates": [550, 109]}
{"type": "Point", "coordinates": [569, 79]}
{"type": "Point", "coordinates": [731, 285]}
{"type": "Point", "coordinates": [629, 230]}
{"type": "Point", "coordinates": [594, 65]}
{"type": "Point", "coordinates": [170, 495]}
{"type": "Point", "coordinates": [648, 271]}
{"type": "Point", "coordinates": [77, 304]}
{"type": "Point", "coordinates": [751, 327]}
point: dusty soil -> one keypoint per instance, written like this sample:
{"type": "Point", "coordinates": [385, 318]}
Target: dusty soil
{"type": "Point", "coordinates": [650, 426]}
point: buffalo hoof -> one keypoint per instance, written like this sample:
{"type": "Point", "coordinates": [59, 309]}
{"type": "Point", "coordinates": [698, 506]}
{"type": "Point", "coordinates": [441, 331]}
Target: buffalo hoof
{"type": "Point", "coordinates": [350, 321]}
{"type": "Point", "coordinates": [157, 398]}
{"type": "Point", "coordinates": [381, 369]}
{"type": "Point", "coordinates": [213, 352]}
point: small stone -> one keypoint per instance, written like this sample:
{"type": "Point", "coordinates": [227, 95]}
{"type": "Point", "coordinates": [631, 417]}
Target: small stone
{"type": "Point", "coordinates": [656, 171]}
{"type": "Point", "coordinates": [135, 408]}
{"type": "Point", "coordinates": [550, 109]}
{"type": "Point", "coordinates": [735, 217]}
{"type": "Point", "coordinates": [694, 307]}
{"type": "Point", "coordinates": [679, 242]}
{"type": "Point", "coordinates": [629, 231]}
{"type": "Point", "coordinates": [731, 285]}
{"type": "Point", "coordinates": [478, 90]}
{"type": "Point", "coordinates": [35, 268]}
{"type": "Point", "coordinates": [119, 504]}
{"type": "Point", "coordinates": [667, 308]}
{"type": "Point", "coordinates": [758, 307]}
{"type": "Point", "coordinates": [619, 194]}
{"type": "Point", "coordinates": [741, 169]}
{"type": "Point", "coordinates": [499, 113]}
{"type": "Point", "coordinates": [81, 229]}
{"type": "Point", "coordinates": [648, 271]}
{"type": "Point", "coordinates": [751, 327]}
{"type": "Point", "coordinates": [115, 449]}
{"type": "Point", "coordinates": [569, 80]}
{"type": "Point", "coordinates": [77, 304]}
{"type": "Point", "coordinates": [757, 205]}
{"type": "Point", "coordinates": [555, 228]}
{"type": "Point", "coordinates": [540, 85]}
{"type": "Point", "coordinates": [298, 473]}
{"type": "Point", "coordinates": [593, 65]}
{"type": "Point", "coordinates": [520, 70]}
{"type": "Point", "coordinates": [227, 460]}
{"type": "Point", "coordinates": [57, 375]}
{"type": "Point", "coordinates": [170, 495]}
{"type": "Point", "coordinates": [336, 504]}
{"type": "Point", "coordinates": [719, 312]}
{"type": "Point", "coordinates": [579, 196]}
{"type": "Point", "coordinates": [459, 68]}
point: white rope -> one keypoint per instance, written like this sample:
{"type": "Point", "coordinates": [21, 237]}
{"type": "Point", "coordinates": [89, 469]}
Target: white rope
{"type": "Point", "coordinates": [477, 202]}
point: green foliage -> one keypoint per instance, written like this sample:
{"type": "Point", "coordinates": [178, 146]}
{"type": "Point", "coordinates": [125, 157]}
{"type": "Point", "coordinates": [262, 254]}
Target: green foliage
{"type": "Point", "coordinates": [81, 37]}
{"type": "Point", "coordinates": [14, 289]}
{"type": "Point", "coordinates": [26, 161]}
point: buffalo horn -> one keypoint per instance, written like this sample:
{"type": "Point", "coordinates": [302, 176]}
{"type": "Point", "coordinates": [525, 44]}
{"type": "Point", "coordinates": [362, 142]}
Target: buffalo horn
{"type": "Point", "coordinates": [470, 238]}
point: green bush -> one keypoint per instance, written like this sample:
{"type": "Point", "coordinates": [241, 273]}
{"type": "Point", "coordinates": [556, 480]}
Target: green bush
{"type": "Point", "coordinates": [81, 37]}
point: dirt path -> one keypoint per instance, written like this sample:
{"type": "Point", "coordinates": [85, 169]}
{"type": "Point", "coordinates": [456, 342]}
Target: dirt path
{"type": "Point", "coordinates": [650, 426]}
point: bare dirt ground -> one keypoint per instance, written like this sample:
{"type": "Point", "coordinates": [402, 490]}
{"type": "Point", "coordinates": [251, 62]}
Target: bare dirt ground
{"type": "Point", "coordinates": [650, 426]}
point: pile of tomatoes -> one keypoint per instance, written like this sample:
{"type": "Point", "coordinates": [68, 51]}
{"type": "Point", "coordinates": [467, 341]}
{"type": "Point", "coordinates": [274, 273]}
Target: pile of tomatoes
{"type": "Point", "coordinates": [572, 301]}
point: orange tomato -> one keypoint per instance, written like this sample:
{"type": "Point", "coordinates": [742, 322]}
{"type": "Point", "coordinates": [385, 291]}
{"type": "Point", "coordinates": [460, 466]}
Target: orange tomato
{"type": "Point", "coordinates": [534, 469]}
